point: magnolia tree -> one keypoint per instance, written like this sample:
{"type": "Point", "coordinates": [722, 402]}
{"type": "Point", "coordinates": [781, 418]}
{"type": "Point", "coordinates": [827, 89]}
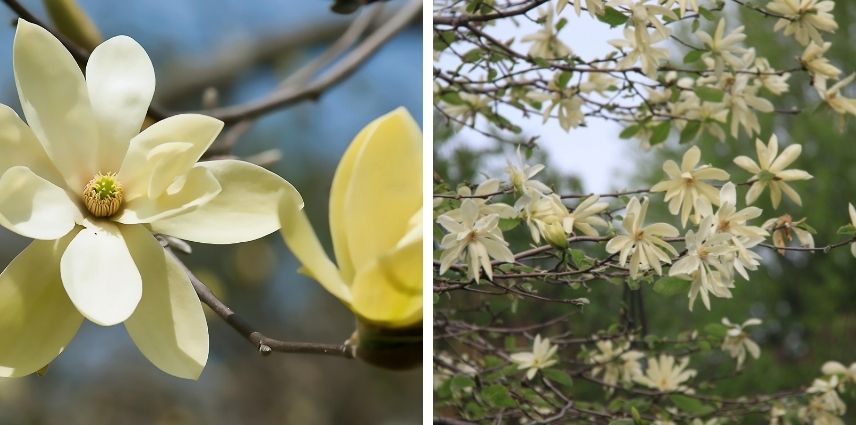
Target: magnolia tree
{"type": "Point", "coordinates": [510, 247]}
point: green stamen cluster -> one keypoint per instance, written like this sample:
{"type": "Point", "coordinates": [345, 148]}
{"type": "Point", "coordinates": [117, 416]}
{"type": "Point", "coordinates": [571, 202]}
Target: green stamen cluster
{"type": "Point", "coordinates": [103, 195]}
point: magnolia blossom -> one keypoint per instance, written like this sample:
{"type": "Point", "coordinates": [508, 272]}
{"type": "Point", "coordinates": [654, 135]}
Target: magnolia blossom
{"type": "Point", "coordinates": [481, 197]}
{"type": "Point", "coordinates": [545, 41]}
{"type": "Point", "coordinates": [465, 111]}
{"type": "Point", "coordinates": [852, 211]}
{"type": "Point", "coordinates": [770, 170]}
{"type": "Point", "coordinates": [737, 341]}
{"type": "Point", "coordinates": [826, 396]}
{"type": "Point", "coordinates": [585, 216]}
{"type": "Point", "coordinates": [617, 362]}
{"type": "Point", "coordinates": [784, 228]}
{"type": "Point", "coordinates": [742, 99]}
{"type": "Point", "coordinates": [693, 5]}
{"type": "Point", "coordinates": [549, 217]}
{"type": "Point", "coordinates": [686, 184]}
{"type": "Point", "coordinates": [724, 49]}
{"type": "Point", "coordinates": [641, 50]}
{"type": "Point", "coordinates": [594, 7]}
{"type": "Point", "coordinates": [706, 263]}
{"type": "Point", "coordinates": [542, 356]}
{"type": "Point", "coordinates": [565, 101]}
{"type": "Point", "coordinates": [844, 374]}
{"type": "Point", "coordinates": [818, 65]}
{"type": "Point", "coordinates": [774, 81]}
{"type": "Point", "coordinates": [520, 177]}
{"type": "Point", "coordinates": [375, 224]}
{"type": "Point", "coordinates": [90, 188]}
{"type": "Point", "coordinates": [642, 244]}
{"type": "Point", "coordinates": [833, 97]}
{"type": "Point", "coordinates": [475, 239]}
{"type": "Point", "coordinates": [665, 375]}
{"type": "Point", "coordinates": [642, 14]}
{"type": "Point", "coordinates": [804, 19]}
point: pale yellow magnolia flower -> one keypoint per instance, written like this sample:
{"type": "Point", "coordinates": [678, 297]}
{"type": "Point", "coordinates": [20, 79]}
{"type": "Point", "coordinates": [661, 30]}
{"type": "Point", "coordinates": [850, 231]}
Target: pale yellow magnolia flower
{"type": "Point", "coordinates": [665, 375]}
{"type": "Point", "coordinates": [641, 50]}
{"type": "Point", "coordinates": [375, 224]}
{"type": "Point", "coordinates": [845, 374]}
{"type": "Point", "coordinates": [737, 341]}
{"type": "Point", "coordinates": [642, 244]}
{"type": "Point", "coordinates": [545, 41]}
{"type": "Point", "coordinates": [585, 216]}
{"type": "Point", "coordinates": [693, 5]}
{"type": "Point", "coordinates": [481, 198]}
{"type": "Point", "coordinates": [474, 238]}
{"type": "Point", "coordinates": [91, 190]}
{"type": "Point", "coordinates": [852, 211]}
{"type": "Point", "coordinates": [616, 361]}
{"type": "Point", "coordinates": [541, 357]}
{"type": "Point", "coordinates": [724, 49]}
{"type": "Point", "coordinates": [818, 65]}
{"type": "Point", "coordinates": [686, 184]}
{"type": "Point", "coordinates": [643, 13]}
{"type": "Point", "coordinates": [833, 97]}
{"type": "Point", "coordinates": [784, 228]}
{"type": "Point", "coordinates": [594, 7]}
{"type": "Point", "coordinates": [826, 395]}
{"type": "Point", "coordinates": [806, 18]}
{"type": "Point", "coordinates": [705, 263]}
{"type": "Point", "coordinates": [770, 170]}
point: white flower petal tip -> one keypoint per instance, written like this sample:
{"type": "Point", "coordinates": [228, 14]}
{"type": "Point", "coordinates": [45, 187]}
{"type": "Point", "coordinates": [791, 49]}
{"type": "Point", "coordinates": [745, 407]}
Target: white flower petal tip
{"type": "Point", "coordinates": [100, 276]}
{"type": "Point", "coordinates": [34, 207]}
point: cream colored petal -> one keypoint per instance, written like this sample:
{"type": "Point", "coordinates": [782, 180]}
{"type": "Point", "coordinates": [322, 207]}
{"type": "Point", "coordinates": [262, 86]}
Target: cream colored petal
{"type": "Point", "coordinates": [788, 156]}
{"type": "Point", "coordinates": [100, 276]}
{"type": "Point", "coordinates": [754, 192]}
{"type": "Point", "coordinates": [33, 207]}
{"type": "Point", "coordinates": [120, 80]}
{"type": "Point", "coordinates": [302, 241]}
{"type": "Point", "coordinates": [389, 292]}
{"type": "Point", "coordinates": [711, 173]}
{"type": "Point", "coordinates": [168, 325]}
{"type": "Point", "coordinates": [852, 212]}
{"type": "Point", "coordinates": [792, 175]}
{"type": "Point", "coordinates": [16, 136]}
{"type": "Point", "coordinates": [383, 189]}
{"type": "Point", "coordinates": [244, 210]}
{"type": "Point", "coordinates": [690, 159]}
{"type": "Point", "coordinates": [775, 194]}
{"type": "Point", "coordinates": [148, 163]}
{"type": "Point", "coordinates": [747, 164]}
{"type": "Point", "coordinates": [37, 320]}
{"type": "Point", "coordinates": [185, 196]}
{"type": "Point", "coordinates": [790, 192]}
{"type": "Point", "coordinates": [54, 99]}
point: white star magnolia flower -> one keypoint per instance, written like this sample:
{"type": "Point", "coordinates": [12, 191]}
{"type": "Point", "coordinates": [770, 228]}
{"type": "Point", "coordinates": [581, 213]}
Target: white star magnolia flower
{"type": "Point", "coordinates": [549, 217]}
{"type": "Point", "coordinates": [665, 375]}
{"type": "Point", "coordinates": [742, 100]}
{"type": "Point", "coordinates": [643, 245]}
{"type": "Point", "coordinates": [686, 184]}
{"type": "Point", "coordinates": [806, 18]}
{"type": "Point", "coordinates": [724, 49]}
{"type": "Point", "coordinates": [770, 170]}
{"type": "Point", "coordinates": [475, 239]}
{"type": "Point", "coordinates": [585, 216]}
{"type": "Point", "coordinates": [594, 7]}
{"type": "Point", "coordinates": [486, 187]}
{"type": "Point", "coordinates": [852, 211]}
{"type": "Point", "coordinates": [844, 374]}
{"type": "Point", "coordinates": [705, 250]}
{"type": "Point", "coordinates": [693, 5]}
{"type": "Point", "coordinates": [466, 111]}
{"type": "Point", "coordinates": [541, 357]}
{"type": "Point", "coordinates": [737, 341]}
{"type": "Point", "coordinates": [832, 95]}
{"type": "Point", "coordinates": [772, 80]}
{"type": "Point", "coordinates": [617, 362]}
{"type": "Point", "coordinates": [520, 177]}
{"type": "Point", "coordinates": [91, 190]}
{"type": "Point", "coordinates": [643, 14]}
{"type": "Point", "coordinates": [818, 65]}
{"type": "Point", "coordinates": [375, 225]}
{"type": "Point", "coordinates": [641, 51]}
{"type": "Point", "coordinates": [545, 41]}
{"type": "Point", "coordinates": [826, 397]}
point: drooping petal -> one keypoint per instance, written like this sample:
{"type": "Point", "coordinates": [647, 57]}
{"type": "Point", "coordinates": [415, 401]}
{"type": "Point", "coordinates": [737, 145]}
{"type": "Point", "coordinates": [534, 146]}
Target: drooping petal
{"type": "Point", "coordinates": [244, 210]}
{"type": "Point", "coordinates": [302, 241]}
{"type": "Point", "coordinates": [54, 99]}
{"type": "Point", "coordinates": [120, 80]}
{"type": "Point", "coordinates": [16, 136]}
{"type": "Point", "coordinates": [197, 188]}
{"type": "Point", "coordinates": [149, 166]}
{"type": "Point", "coordinates": [389, 292]}
{"type": "Point", "coordinates": [100, 276]}
{"type": "Point", "coordinates": [371, 203]}
{"type": "Point", "coordinates": [37, 320]}
{"type": "Point", "coordinates": [34, 207]}
{"type": "Point", "coordinates": [168, 325]}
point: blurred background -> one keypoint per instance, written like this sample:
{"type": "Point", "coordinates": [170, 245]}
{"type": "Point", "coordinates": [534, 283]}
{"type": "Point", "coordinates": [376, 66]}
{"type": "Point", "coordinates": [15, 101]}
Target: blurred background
{"type": "Point", "coordinates": [805, 300]}
{"type": "Point", "coordinates": [244, 49]}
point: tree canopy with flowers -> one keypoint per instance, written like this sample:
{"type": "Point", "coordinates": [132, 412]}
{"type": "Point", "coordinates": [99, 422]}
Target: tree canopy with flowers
{"type": "Point", "coordinates": [556, 305]}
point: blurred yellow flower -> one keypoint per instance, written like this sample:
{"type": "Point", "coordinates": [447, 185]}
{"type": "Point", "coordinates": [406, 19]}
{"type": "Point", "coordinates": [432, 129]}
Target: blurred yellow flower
{"type": "Point", "coordinates": [82, 182]}
{"type": "Point", "coordinates": [375, 224]}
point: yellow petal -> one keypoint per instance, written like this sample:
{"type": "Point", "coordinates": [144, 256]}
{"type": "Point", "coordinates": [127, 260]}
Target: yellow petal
{"type": "Point", "coordinates": [197, 188]}
{"type": "Point", "coordinates": [302, 241]}
{"type": "Point", "coordinates": [168, 325]}
{"type": "Point", "coordinates": [16, 136]}
{"type": "Point", "coordinates": [54, 100]}
{"type": "Point", "coordinates": [34, 207]}
{"type": "Point", "coordinates": [389, 292]}
{"type": "Point", "coordinates": [383, 189]}
{"type": "Point", "coordinates": [244, 210]}
{"type": "Point", "coordinates": [37, 320]}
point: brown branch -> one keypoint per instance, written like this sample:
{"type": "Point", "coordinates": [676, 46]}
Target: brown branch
{"type": "Point", "coordinates": [265, 344]}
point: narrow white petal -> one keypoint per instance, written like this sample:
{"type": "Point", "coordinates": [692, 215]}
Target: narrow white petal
{"type": "Point", "coordinates": [168, 325]}
{"type": "Point", "coordinates": [37, 320]}
{"type": "Point", "coordinates": [100, 276]}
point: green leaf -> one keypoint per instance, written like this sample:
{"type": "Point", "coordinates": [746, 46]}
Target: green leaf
{"type": "Point", "coordinates": [497, 395]}
{"type": "Point", "coordinates": [691, 405]}
{"type": "Point", "coordinates": [452, 98]}
{"type": "Point", "coordinates": [506, 224]}
{"type": "Point", "coordinates": [847, 229]}
{"type": "Point", "coordinates": [472, 55]}
{"type": "Point", "coordinates": [461, 382]}
{"type": "Point", "coordinates": [690, 131]}
{"type": "Point", "coordinates": [561, 24]}
{"type": "Point", "coordinates": [706, 13]}
{"type": "Point", "coordinates": [565, 78]}
{"type": "Point", "coordinates": [629, 131]}
{"type": "Point", "coordinates": [693, 56]}
{"type": "Point", "coordinates": [612, 17]}
{"type": "Point", "coordinates": [710, 94]}
{"type": "Point", "coordinates": [660, 133]}
{"type": "Point", "coordinates": [623, 421]}
{"type": "Point", "coordinates": [716, 329]}
{"type": "Point", "coordinates": [558, 376]}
